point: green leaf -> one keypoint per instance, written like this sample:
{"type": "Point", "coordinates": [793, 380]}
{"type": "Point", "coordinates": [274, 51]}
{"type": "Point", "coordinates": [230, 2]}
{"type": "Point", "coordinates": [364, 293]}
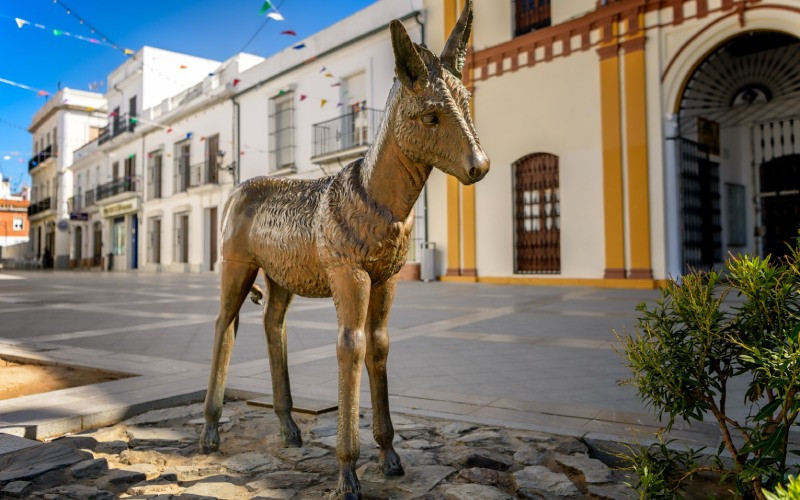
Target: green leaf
{"type": "Point", "coordinates": [768, 409]}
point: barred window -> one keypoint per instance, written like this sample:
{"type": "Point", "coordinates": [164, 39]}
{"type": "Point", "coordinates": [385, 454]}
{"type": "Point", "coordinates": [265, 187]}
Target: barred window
{"type": "Point", "coordinates": [154, 240]}
{"type": "Point", "coordinates": [281, 131]}
{"type": "Point", "coordinates": [154, 160]}
{"type": "Point", "coordinates": [181, 238]}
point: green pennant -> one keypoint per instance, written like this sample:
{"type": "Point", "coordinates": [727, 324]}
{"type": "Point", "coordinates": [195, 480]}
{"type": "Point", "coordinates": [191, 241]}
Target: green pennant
{"type": "Point", "coordinates": [282, 92]}
{"type": "Point", "coordinates": [134, 119]}
{"type": "Point", "coordinates": [265, 7]}
{"type": "Point", "coordinates": [57, 32]}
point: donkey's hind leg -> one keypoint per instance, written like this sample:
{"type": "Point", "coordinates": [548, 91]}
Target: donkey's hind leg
{"type": "Point", "coordinates": [236, 278]}
{"type": "Point", "coordinates": [275, 328]}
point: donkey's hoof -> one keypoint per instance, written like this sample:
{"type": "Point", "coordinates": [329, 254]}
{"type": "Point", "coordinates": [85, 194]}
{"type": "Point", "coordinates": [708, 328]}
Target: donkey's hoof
{"type": "Point", "coordinates": [209, 439]}
{"type": "Point", "coordinates": [290, 434]}
{"type": "Point", "coordinates": [348, 487]}
{"type": "Point", "coordinates": [389, 464]}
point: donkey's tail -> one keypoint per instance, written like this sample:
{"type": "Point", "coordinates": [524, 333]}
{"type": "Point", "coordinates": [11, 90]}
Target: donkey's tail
{"type": "Point", "coordinates": [256, 294]}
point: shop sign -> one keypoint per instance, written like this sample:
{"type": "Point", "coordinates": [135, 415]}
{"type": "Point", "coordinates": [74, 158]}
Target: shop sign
{"type": "Point", "coordinates": [121, 208]}
{"type": "Point", "coordinates": [79, 216]}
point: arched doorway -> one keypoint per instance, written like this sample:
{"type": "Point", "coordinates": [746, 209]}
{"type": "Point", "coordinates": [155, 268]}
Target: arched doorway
{"type": "Point", "coordinates": [738, 127]}
{"type": "Point", "coordinates": [537, 215]}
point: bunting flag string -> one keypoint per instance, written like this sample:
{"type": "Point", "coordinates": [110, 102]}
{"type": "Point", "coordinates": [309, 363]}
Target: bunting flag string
{"type": "Point", "coordinates": [60, 32]}
{"type": "Point", "coordinates": [104, 38]}
{"type": "Point", "coordinates": [39, 92]}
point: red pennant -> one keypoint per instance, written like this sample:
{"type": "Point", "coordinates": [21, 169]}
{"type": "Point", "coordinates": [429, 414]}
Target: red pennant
{"type": "Point", "coordinates": [113, 113]}
{"type": "Point", "coordinates": [303, 97]}
{"type": "Point", "coordinates": [169, 130]}
{"type": "Point", "coordinates": [242, 152]}
{"type": "Point", "coordinates": [289, 32]}
{"type": "Point", "coordinates": [236, 82]}
{"type": "Point", "coordinates": [42, 92]}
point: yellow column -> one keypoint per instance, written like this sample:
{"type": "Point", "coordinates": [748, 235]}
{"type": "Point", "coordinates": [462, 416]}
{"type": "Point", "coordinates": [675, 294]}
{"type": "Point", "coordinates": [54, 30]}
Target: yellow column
{"type": "Point", "coordinates": [453, 202]}
{"type": "Point", "coordinates": [611, 119]}
{"type": "Point", "coordinates": [636, 149]}
{"type": "Point", "coordinates": [470, 267]}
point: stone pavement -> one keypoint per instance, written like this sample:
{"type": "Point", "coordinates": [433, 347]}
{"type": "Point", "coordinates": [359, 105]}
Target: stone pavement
{"type": "Point", "coordinates": [154, 456]}
{"type": "Point", "coordinates": [535, 358]}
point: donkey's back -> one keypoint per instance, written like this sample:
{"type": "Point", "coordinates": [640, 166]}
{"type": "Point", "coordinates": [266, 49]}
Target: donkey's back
{"type": "Point", "coordinates": [270, 222]}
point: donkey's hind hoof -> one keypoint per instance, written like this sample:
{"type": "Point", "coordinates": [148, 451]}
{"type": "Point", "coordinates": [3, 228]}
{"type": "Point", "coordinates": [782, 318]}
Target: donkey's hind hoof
{"type": "Point", "coordinates": [389, 464]}
{"type": "Point", "coordinates": [351, 496]}
{"type": "Point", "coordinates": [209, 440]}
{"type": "Point", "coordinates": [292, 440]}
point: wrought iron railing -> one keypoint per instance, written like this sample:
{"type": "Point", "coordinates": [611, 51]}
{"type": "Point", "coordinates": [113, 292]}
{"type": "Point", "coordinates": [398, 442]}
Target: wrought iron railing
{"type": "Point", "coordinates": [530, 15]}
{"type": "Point", "coordinates": [204, 173]}
{"type": "Point", "coordinates": [181, 174]}
{"type": "Point", "coordinates": [39, 206]}
{"type": "Point", "coordinates": [40, 158]}
{"type": "Point", "coordinates": [351, 130]}
{"type": "Point", "coordinates": [109, 189]}
{"type": "Point", "coordinates": [117, 125]}
{"type": "Point", "coordinates": [75, 204]}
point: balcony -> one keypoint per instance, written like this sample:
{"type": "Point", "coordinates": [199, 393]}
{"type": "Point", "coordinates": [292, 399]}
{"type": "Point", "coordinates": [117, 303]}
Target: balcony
{"type": "Point", "coordinates": [39, 207]}
{"type": "Point", "coordinates": [40, 158]}
{"type": "Point", "coordinates": [118, 125]}
{"type": "Point", "coordinates": [75, 204]}
{"type": "Point", "coordinates": [203, 173]}
{"type": "Point", "coordinates": [530, 15]}
{"type": "Point", "coordinates": [88, 198]}
{"type": "Point", "coordinates": [109, 189]}
{"type": "Point", "coordinates": [347, 135]}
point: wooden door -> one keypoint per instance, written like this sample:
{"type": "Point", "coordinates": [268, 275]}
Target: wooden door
{"type": "Point", "coordinates": [537, 214]}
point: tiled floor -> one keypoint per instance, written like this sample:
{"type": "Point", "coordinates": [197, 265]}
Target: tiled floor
{"type": "Point", "coordinates": [534, 357]}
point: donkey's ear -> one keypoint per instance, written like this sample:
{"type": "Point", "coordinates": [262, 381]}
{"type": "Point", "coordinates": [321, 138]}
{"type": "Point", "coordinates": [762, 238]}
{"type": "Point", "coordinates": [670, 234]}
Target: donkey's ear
{"type": "Point", "coordinates": [409, 67]}
{"type": "Point", "coordinates": [455, 51]}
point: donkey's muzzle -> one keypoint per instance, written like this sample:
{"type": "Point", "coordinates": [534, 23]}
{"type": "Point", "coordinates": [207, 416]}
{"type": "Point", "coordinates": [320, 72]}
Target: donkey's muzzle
{"type": "Point", "coordinates": [479, 167]}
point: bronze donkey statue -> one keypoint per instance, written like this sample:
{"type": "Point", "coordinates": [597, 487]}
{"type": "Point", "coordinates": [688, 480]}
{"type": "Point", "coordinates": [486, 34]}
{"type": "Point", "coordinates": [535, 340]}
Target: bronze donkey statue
{"type": "Point", "coordinates": [346, 236]}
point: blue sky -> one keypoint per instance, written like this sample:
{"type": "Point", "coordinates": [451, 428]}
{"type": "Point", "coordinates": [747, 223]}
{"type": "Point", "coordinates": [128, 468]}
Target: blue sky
{"type": "Point", "coordinates": [215, 29]}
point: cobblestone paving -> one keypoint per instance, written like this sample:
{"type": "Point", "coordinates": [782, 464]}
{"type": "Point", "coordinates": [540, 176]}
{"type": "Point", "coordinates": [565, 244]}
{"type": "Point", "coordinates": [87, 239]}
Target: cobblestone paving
{"type": "Point", "coordinates": [154, 456]}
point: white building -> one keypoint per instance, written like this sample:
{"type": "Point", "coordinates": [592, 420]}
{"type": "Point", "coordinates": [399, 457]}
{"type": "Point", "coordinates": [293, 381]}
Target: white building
{"type": "Point", "coordinates": [66, 121]}
{"type": "Point", "coordinates": [109, 170]}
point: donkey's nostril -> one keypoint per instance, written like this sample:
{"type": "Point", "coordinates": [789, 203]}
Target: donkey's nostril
{"type": "Point", "coordinates": [474, 172]}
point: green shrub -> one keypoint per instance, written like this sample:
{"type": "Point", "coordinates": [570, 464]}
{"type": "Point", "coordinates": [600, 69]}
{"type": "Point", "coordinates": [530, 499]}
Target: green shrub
{"type": "Point", "coordinates": [694, 341]}
{"type": "Point", "coordinates": [791, 492]}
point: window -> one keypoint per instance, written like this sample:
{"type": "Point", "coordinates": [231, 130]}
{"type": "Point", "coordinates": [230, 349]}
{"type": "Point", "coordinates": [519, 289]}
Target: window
{"type": "Point", "coordinates": [537, 217]}
{"type": "Point", "coordinates": [130, 167]}
{"type": "Point", "coordinates": [115, 170]}
{"type": "Point", "coordinates": [737, 215]}
{"type": "Point", "coordinates": [530, 15]}
{"type": "Point", "coordinates": [18, 224]}
{"type": "Point", "coordinates": [212, 159]}
{"type": "Point", "coordinates": [180, 174]}
{"type": "Point", "coordinates": [154, 240]}
{"type": "Point", "coordinates": [281, 131]}
{"type": "Point", "coordinates": [154, 175]}
{"type": "Point", "coordinates": [181, 241]}
{"type": "Point", "coordinates": [55, 140]}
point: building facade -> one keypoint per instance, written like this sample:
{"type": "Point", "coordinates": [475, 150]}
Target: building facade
{"type": "Point", "coordinates": [66, 121]}
{"type": "Point", "coordinates": [14, 225]}
{"type": "Point", "coordinates": [631, 141]}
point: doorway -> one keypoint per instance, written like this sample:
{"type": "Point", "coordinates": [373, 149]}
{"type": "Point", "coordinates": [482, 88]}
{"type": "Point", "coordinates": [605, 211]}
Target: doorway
{"type": "Point", "coordinates": [780, 203]}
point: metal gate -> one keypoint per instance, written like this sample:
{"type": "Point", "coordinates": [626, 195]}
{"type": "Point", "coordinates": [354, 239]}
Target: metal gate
{"type": "Point", "coordinates": [779, 176]}
{"type": "Point", "coordinates": [537, 214]}
{"type": "Point", "coordinates": [700, 207]}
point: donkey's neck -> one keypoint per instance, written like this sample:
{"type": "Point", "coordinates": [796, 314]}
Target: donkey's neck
{"type": "Point", "coordinates": [388, 175]}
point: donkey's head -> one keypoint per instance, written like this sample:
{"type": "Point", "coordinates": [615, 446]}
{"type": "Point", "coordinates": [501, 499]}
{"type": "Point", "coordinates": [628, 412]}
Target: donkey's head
{"type": "Point", "coordinates": [432, 120]}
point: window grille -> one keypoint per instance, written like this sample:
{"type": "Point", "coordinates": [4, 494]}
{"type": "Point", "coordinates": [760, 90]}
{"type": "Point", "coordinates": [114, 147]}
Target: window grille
{"type": "Point", "coordinates": [537, 214]}
{"type": "Point", "coordinates": [281, 131]}
{"type": "Point", "coordinates": [154, 162]}
{"type": "Point", "coordinates": [154, 240]}
{"type": "Point", "coordinates": [181, 238]}
{"type": "Point", "coordinates": [530, 15]}
{"type": "Point", "coordinates": [180, 174]}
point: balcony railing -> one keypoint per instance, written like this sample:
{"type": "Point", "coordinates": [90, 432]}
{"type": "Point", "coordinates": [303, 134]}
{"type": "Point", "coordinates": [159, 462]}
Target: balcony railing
{"type": "Point", "coordinates": [75, 204]}
{"type": "Point", "coordinates": [88, 198]}
{"type": "Point", "coordinates": [39, 206]}
{"type": "Point", "coordinates": [530, 15]}
{"type": "Point", "coordinates": [40, 158]}
{"type": "Point", "coordinates": [117, 125]}
{"type": "Point", "coordinates": [109, 189]}
{"type": "Point", "coordinates": [204, 173]}
{"type": "Point", "coordinates": [348, 131]}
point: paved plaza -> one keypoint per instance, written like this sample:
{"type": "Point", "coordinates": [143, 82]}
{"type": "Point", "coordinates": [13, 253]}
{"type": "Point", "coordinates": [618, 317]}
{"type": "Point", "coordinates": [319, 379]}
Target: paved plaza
{"type": "Point", "coordinates": [537, 358]}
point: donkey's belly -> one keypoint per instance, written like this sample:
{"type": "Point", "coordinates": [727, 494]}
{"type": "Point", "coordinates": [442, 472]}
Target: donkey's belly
{"type": "Point", "coordinates": [297, 269]}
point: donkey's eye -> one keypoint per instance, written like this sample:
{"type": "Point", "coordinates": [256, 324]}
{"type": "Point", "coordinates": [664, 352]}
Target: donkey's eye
{"type": "Point", "coordinates": [430, 119]}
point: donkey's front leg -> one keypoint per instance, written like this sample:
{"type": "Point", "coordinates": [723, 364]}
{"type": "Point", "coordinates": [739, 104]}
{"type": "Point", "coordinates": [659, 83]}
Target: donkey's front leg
{"type": "Point", "coordinates": [380, 301]}
{"type": "Point", "coordinates": [350, 289]}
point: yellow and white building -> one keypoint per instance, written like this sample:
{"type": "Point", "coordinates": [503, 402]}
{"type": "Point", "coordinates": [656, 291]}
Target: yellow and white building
{"type": "Point", "coordinates": [630, 140]}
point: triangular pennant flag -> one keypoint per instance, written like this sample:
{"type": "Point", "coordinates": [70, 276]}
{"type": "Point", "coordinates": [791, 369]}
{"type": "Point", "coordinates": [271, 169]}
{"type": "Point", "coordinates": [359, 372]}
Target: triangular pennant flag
{"type": "Point", "coordinates": [336, 84]}
{"type": "Point", "coordinates": [94, 40]}
{"type": "Point", "coordinates": [203, 138]}
{"type": "Point", "coordinates": [303, 97]}
{"type": "Point", "coordinates": [289, 32]}
{"type": "Point", "coordinates": [323, 103]}
{"type": "Point", "coordinates": [113, 113]}
{"type": "Point", "coordinates": [328, 75]}
{"type": "Point", "coordinates": [169, 130]}
{"type": "Point", "coordinates": [339, 105]}
{"type": "Point", "coordinates": [57, 32]}
{"type": "Point", "coordinates": [20, 22]}
{"type": "Point", "coordinates": [299, 46]}
{"type": "Point", "coordinates": [188, 135]}
{"type": "Point", "coordinates": [243, 152]}
{"type": "Point", "coordinates": [127, 52]}
{"type": "Point", "coordinates": [236, 82]}
{"type": "Point", "coordinates": [42, 92]}
{"type": "Point", "coordinates": [265, 7]}
{"type": "Point", "coordinates": [183, 66]}
{"type": "Point", "coordinates": [134, 119]}
{"type": "Point", "coordinates": [281, 92]}
{"type": "Point", "coordinates": [276, 16]}
{"type": "Point", "coordinates": [323, 69]}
